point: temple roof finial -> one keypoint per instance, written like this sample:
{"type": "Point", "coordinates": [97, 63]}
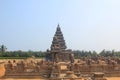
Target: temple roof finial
{"type": "Point", "coordinates": [58, 27]}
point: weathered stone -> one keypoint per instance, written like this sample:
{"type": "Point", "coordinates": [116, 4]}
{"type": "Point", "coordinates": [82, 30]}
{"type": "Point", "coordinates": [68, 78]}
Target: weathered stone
{"type": "Point", "coordinates": [98, 76]}
{"type": "Point", "coordinates": [58, 52]}
{"type": "Point", "coordinates": [2, 69]}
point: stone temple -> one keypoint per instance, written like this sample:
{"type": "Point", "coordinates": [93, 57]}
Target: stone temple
{"type": "Point", "coordinates": [58, 52]}
{"type": "Point", "coordinates": [59, 64]}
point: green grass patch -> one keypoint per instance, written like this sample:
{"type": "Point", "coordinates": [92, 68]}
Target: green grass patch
{"type": "Point", "coordinates": [19, 57]}
{"type": "Point", "coordinates": [13, 57]}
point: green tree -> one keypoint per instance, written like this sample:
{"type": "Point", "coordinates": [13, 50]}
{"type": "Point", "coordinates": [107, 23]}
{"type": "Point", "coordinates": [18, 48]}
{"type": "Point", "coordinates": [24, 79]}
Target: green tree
{"type": "Point", "coordinates": [3, 49]}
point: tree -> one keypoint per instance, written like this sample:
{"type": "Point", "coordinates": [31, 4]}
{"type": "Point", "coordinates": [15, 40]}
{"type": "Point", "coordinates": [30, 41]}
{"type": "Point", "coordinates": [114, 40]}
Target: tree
{"type": "Point", "coordinates": [3, 49]}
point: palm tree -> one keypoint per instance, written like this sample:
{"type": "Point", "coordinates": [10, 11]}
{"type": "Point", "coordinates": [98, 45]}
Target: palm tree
{"type": "Point", "coordinates": [3, 49]}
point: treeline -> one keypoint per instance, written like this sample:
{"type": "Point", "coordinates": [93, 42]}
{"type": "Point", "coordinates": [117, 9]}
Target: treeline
{"type": "Point", "coordinates": [77, 53]}
{"type": "Point", "coordinates": [104, 53]}
{"type": "Point", "coordinates": [41, 54]}
{"type": "Point", "coordinates": [20, 53]}
{"type": "Point", "coordinates": [82, 53]}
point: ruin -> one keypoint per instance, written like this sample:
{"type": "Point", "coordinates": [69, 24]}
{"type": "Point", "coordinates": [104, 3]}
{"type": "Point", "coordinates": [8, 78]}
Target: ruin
{"type": "Point", "coordinates": [58, 52]}
{"type": "Point", "coordinates": [59, 64]}
{"type": "Point", "coordinates": [2, 69]}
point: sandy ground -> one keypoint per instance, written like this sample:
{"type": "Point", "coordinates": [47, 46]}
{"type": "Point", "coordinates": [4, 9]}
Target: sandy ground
{"type": "Point", "coordinates": [112, 78]}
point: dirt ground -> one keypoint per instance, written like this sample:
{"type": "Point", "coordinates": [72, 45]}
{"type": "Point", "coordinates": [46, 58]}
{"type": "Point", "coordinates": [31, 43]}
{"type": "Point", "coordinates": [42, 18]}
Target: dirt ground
{"type": "Point", "coordinates": [111, 78]}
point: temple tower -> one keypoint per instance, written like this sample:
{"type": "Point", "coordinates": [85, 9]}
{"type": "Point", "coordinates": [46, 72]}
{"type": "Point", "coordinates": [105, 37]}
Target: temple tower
{"type": "Point", "coordinates": [58, 40]}
{"type": "Point", "coordinates": [58, 52]}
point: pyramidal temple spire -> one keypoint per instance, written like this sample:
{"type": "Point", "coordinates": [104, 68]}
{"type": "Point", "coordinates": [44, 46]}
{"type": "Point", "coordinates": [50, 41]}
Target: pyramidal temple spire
{"type": "Point", "coordinates": [58, 40]}
{"type": "Point", "coordinates": [58, 52]}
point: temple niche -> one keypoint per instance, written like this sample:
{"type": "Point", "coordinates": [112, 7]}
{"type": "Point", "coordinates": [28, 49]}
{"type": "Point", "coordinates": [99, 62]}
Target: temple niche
{"type": "Point", "coordinates": [58, 51]}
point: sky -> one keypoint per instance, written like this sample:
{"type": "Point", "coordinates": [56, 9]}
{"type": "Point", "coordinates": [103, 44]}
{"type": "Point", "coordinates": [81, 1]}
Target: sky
{"type": "Point", "coordinates": [86, 24]}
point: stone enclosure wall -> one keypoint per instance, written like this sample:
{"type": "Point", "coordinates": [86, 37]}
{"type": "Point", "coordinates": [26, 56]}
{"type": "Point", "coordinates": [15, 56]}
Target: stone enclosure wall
{"type": "Point", "coordinates": [46, 68]}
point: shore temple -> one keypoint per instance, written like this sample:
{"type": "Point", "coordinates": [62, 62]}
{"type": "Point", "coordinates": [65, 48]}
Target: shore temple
{"type": "Point", "coordinates": [58, 51]}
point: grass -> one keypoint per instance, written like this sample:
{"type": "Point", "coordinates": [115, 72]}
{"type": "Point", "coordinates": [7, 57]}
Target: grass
{"type": "Point", "coordinates": [13, 57]}
{"type": "Point", "coordinates": [17, 57]}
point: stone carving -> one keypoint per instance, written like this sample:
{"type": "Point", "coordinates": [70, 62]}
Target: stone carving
{"type": "Point", "coordinates": [72, 58]}
{"type": "Point", "coordinates": [20, 67]}
{"type": "Point", "coordinates": [55, 70]}
{"type": "Point", "coordinates": [8, 66]}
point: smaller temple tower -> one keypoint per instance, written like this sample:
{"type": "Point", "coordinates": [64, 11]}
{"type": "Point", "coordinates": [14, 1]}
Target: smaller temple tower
{"type": "Point", "coordinates": [58, 52]}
